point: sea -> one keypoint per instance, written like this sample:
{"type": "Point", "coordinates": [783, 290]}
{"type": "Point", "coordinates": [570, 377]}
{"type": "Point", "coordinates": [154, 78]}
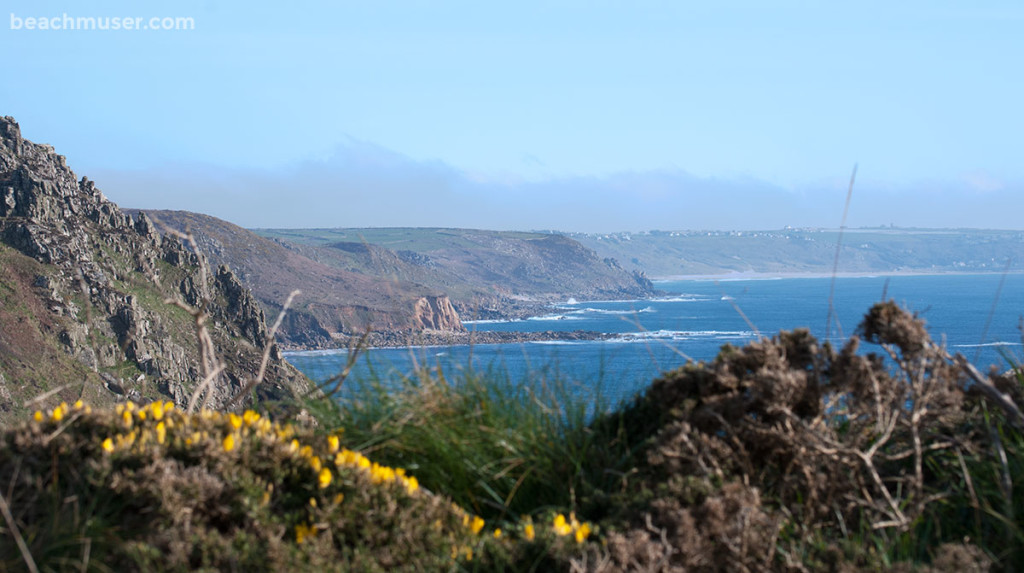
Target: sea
{"type": "Point", "coordinates": [978, 316]}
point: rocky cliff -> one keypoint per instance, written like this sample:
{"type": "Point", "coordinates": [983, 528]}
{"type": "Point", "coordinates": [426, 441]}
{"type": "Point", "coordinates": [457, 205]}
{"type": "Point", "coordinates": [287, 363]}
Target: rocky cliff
{"type": "Point", "coordinates": [434, 313]}
{"type": "Point", "coordinates": [334, 302]}
{"type": "Point", "coordinates": [82, 293]}
{"type": "Point", "coordinates": [487, 274]}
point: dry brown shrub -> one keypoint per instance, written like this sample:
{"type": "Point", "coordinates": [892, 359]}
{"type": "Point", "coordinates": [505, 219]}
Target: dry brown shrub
{"type": "Point", "coordinates": [790, 436]}
{"type": "Point", "coordinates": [726, 531]}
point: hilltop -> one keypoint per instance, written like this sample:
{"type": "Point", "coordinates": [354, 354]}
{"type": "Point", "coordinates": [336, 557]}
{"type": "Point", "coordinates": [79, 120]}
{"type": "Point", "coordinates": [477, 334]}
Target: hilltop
{"type": "Point", "coordinates": [666, 254]}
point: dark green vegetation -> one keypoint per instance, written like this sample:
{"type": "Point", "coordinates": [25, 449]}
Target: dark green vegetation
{"type": "Point", "coordinates": [883, 250]}
{"type": "Point", "coordinates": [782, 455]}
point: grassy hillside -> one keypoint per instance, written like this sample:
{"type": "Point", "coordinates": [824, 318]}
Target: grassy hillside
{"type": "Point", "coordinates": [665, 253]}
{"type": "Point", "coordinates": [415, 239]}
{"type": "Point", "coordinates": [32, 360]}
{"type": "Point", "coordinates": [485, 272]}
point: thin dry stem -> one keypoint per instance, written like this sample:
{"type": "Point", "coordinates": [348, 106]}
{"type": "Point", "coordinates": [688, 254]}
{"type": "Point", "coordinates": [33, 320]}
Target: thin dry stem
{"type": "Point", "coordinates": [202, 387]}
{"type": "Point", "coordinates": [258, 379]}
{"type": "Point", "coordinates": [985, 385]}
{"type": "Point", "coordinates": [26, 555]}
{"type": "Point", "coordinates": [336, 381]}
{"type": "Point", "coordinates": [45, 395]}
{"type": "Point", "coordinates": [835, 265]}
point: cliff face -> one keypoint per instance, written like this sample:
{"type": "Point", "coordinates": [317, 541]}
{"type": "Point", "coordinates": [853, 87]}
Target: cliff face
{"type": "Point", "coordinates": [434, 313]}
{"type": "Point", "coordinates": [83, 280]}
{"type": "Point", "coordinates": [487, 274]}
{"type": "Point", "coordinates": [334, 301]}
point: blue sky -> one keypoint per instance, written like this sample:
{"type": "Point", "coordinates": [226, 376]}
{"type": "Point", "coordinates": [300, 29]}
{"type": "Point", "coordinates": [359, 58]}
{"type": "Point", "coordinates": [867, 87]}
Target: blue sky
{"type": "Point", "coordinates": [592, 116]}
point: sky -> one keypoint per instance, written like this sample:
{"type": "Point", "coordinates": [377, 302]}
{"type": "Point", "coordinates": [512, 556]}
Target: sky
{"type": "Point", "coordinates": [596, 116]}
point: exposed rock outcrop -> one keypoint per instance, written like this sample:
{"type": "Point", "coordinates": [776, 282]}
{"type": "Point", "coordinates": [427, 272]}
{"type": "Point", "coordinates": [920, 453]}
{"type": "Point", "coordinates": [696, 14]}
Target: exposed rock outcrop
{"type": "Point", "coordinates": [435, 313]}
{"type": "Point", "coordinates": [101, 277]}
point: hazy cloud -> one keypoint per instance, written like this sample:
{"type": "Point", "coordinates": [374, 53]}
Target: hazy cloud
{"type": "Point", "coordinates": [363, 184]}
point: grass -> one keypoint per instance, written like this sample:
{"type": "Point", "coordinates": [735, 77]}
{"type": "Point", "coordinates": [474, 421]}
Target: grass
{"type": "Point", "coordinates": [505, 450]}
{"type": "Point", "coordinates": [987, 503]}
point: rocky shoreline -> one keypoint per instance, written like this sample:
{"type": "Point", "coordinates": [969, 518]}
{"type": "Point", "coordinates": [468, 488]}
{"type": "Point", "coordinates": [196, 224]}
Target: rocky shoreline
{"type": "Point", "coordinates": [452, 338]}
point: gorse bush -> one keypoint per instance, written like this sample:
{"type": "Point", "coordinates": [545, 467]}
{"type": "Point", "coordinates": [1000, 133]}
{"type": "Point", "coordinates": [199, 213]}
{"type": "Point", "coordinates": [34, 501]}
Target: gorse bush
{"type": "Point", "coordinates": [152, 488]}
{"type": "Point", "coordinates": [787, 454]}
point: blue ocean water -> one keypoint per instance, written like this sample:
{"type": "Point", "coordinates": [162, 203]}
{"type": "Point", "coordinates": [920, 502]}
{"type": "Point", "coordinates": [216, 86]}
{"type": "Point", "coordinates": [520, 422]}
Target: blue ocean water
{"type": "Point", "coordinates": [697, 317]}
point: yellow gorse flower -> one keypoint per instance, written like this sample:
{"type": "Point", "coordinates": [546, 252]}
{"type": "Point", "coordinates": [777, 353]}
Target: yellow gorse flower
{"type": "Point", "coordinates": [303, 531]}
{"type": "Point", "coordinates": [563, 527]}
{"type": "Point", "coordinates": [582, 532]}
{"type": "Point", "coordinates": [412, 484]}
{"type": "Point", "coordinates": [250, 417]}
{"type": "Point", "coordinates": [528, 532]}
{"type": "Point", "coordinates": [476, 525]}
{"type": "Point", "coordinates": [560, 526]}
{"type": "Point", "coordinates": [157, 409]}
{"type": "Point", "coordinates": [138, 428]}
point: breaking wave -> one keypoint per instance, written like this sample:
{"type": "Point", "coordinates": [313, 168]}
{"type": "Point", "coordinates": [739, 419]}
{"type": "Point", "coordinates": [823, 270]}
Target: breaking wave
{"type": "Point", "coordinates": [684, 335]}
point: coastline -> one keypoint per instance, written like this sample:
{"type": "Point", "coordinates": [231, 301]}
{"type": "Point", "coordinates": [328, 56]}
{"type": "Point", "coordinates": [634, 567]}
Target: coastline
{"type": "Point", "coordinates": [759, 275]}
{"type": "Point", "coordinates": [471, 336]}
{"type": "Point", "coordinates": [451, 338]}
